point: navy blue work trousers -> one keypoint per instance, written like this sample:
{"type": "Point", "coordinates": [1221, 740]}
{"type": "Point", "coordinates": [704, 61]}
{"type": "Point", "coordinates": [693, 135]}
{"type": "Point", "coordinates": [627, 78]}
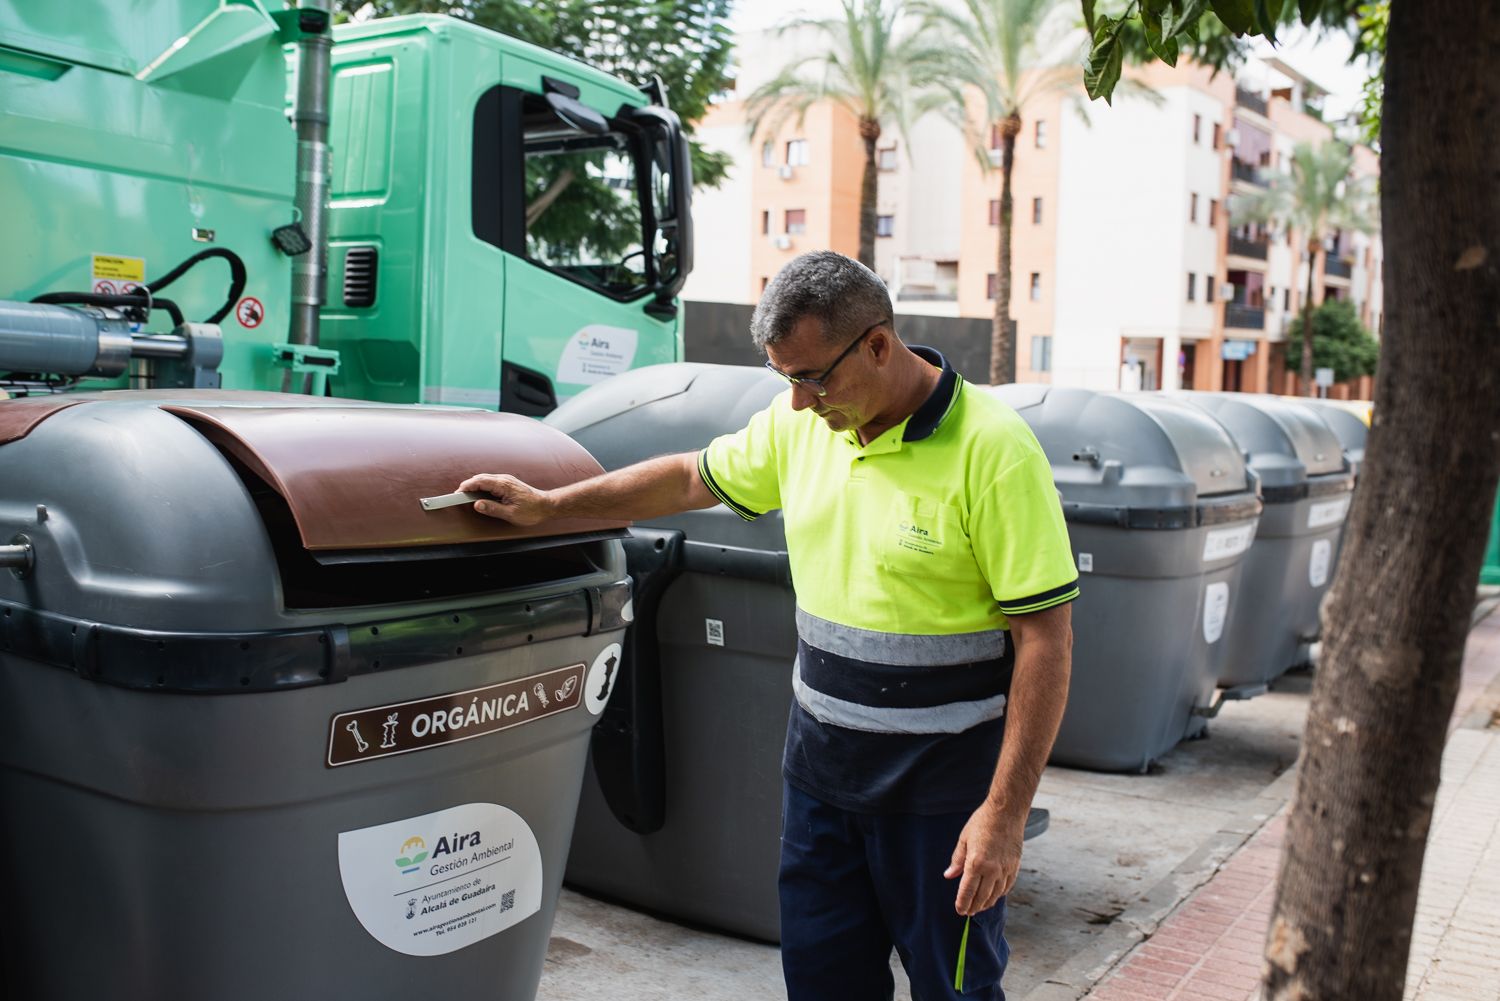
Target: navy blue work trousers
{"type": "Point", "coordinates": [854, 885]}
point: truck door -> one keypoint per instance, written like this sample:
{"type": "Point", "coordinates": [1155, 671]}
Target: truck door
{"type": "Point", "coordinates": [580, 204]}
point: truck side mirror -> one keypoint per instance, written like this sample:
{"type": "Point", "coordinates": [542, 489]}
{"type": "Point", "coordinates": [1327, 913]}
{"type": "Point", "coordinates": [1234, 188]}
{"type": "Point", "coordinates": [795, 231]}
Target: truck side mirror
{"type": "Point", "coordinates": [670, 229]}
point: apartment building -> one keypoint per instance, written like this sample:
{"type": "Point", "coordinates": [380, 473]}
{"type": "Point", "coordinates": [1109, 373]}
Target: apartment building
{"type": "Point", "coordinates": [1127, 270]}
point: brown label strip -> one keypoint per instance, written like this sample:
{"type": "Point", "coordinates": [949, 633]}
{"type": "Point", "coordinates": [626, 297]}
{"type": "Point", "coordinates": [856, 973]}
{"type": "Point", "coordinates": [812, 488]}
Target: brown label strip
{"type": "Point", "coordinates": [381, 731]}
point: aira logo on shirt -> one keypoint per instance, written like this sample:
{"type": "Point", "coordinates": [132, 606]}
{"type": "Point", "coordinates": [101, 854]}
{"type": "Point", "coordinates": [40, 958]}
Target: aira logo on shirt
{"type": "Point", "coordinates": [913, 536]}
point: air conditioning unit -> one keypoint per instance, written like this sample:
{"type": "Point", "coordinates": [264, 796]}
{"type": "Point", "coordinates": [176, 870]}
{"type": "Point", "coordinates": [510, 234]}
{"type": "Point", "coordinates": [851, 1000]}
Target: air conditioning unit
{"type": "Point", "coordinates": [782, 242]}
{"type": "Point", "coordinates": [1226, 292]}
{"type": "Point", "coordinates": [786, 172]}
{"type": "Point", "coordinates": [1232, 137]}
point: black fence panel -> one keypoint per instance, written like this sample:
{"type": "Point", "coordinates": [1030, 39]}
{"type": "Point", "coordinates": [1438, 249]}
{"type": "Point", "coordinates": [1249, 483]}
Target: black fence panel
{"type": "Point", "coordinates": [719, 332]}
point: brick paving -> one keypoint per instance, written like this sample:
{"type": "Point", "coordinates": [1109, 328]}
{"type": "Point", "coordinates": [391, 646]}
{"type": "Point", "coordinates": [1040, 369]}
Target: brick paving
{"type": "Point", "coordinates": [1210, 948]}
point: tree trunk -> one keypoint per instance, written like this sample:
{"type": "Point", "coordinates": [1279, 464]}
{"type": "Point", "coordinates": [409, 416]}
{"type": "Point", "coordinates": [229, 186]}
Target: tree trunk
{"type": "Point", "coordinates": [869, 131]}
{"type": "Point", "coordinates": [1397, 619]}
{"type": "Point", "coordinates": [1002, 334]}
{"type": "Point", "coordinates": [1308, 389]}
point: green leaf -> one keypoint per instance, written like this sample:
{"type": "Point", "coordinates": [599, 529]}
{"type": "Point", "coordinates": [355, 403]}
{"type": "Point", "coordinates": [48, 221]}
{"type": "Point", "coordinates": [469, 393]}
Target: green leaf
{"type": "Point", "coordinates": [1238, 15]}
{"type": "Point", "coordinates": [1088, 15]}
{"type": "Point", "coordinates": [1155, 7]}
{"type": "Point", "coordinates": [1186, 22]}
{"type": "Point", "coordinates": [1105, 61]}
{"type": "Point", "coordinates": [1267, 13]}
{"type": "Point", "coordinates": [1165, 48]}
{"type": "Point", "coordinates": [1310, 10]}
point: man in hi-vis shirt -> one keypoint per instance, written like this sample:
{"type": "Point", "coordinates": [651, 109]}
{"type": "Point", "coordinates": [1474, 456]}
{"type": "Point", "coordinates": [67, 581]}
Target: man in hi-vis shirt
{"type": "Point", "coordinates": [933, 578]}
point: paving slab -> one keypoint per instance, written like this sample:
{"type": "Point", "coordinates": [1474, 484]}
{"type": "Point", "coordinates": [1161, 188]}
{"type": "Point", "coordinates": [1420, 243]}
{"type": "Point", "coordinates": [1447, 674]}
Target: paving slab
{"type": "Point", "coordinates": [1209, 947]}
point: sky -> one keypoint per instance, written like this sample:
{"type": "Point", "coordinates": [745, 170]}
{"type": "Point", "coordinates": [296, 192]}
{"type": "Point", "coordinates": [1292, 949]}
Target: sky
{"type": "Point", "coordinates": [1324, 60]}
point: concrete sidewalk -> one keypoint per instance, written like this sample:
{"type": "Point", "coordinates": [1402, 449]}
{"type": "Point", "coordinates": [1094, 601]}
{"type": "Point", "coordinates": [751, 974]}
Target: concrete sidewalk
{"type": "Point", "coordinates": [1210, 947]}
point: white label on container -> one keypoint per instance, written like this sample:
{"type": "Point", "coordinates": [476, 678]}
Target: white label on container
{"type": "Point", "coordinates": [1327, 512]}
{"type": "Point", "coordinates": [601, 679]}
{"type": "Point", "coordinates": [434, 884]}
{"type": "Point", "coordinates": [1215, 610]}
{"type": "Point", "coordinates": [595, 353]}
{"type": "Point", "coordinates": [1222, 543]}
{"type": "Point", "coordinates": [714, 631]}
{"type": "Point", "coordinates": [1317, 567]}
{"type": "Point", "coordinates": [1085, 562]}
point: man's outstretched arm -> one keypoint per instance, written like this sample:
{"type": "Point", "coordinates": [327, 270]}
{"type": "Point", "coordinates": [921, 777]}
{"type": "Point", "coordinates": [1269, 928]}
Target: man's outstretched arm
{"type": "Point", "coordinates": [664, 485]}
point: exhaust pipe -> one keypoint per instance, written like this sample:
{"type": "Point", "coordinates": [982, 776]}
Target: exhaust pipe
{"type": "Point", "coordinates": [314, 169]}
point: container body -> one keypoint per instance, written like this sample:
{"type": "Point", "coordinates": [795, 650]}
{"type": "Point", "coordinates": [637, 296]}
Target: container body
{"type": "Point", "coordinates": [191, 845]}
{"type": "Point", "coordinates": [243, 757]}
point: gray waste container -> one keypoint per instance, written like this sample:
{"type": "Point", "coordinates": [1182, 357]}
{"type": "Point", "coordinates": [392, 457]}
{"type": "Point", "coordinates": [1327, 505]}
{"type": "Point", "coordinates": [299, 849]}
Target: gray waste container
{"type": "Point", "coordinates": [1161, 512]}
{"type": "Point", "coordinates": [1347, 427]}
{"type": "Point", "coordinates": [267, 728]}
{"type": "Point", "coordinates": [681, 806]}
{"type": "Point", "coordinates": [1305, 482]}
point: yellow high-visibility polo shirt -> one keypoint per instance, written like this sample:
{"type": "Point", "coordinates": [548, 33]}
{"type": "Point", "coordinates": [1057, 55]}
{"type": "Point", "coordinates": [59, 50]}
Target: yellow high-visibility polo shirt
{"type": "Point", "coordinates": [907, 554]}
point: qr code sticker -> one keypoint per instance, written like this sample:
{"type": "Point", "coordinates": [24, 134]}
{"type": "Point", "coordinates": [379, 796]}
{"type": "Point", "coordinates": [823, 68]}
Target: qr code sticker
{"type": "Point", "coordinates": [507, 900]}
{"type": "Point", "coordinates": [715, 630]}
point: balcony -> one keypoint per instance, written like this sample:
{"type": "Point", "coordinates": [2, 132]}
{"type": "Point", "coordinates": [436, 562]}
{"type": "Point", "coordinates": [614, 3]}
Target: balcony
{"type": "Point", "coordinates": [1241, 247]}
{"type": "Point", "coordinates": [1248, 172]}
{"type": "Point", "coordinates": [1337, 267]}
{"type": "Point", "coordinates": [1246, 99]}
{"type": "Point", "coordinates": [1242, 317]}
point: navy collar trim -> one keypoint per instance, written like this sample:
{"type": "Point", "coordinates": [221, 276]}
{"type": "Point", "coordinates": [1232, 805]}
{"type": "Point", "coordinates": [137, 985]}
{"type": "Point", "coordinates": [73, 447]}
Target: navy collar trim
{"type": "Point", "coordinates": [929, 416]}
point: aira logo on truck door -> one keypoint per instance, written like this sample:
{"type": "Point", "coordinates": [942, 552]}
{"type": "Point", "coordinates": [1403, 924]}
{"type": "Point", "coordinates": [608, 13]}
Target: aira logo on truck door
{"type": "Point", "coordinates": [595, 353]}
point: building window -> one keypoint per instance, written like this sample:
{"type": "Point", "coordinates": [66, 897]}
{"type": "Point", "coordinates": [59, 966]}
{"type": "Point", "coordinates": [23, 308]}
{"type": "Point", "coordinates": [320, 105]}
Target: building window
{"type": "Point", "coordinates": [886, 159]}
{"type": "Point", "coordinates": [1036, 211]}
{"type": "Point", "coordinates": [1193, 207]}
{"type": "Point", "coordinates": [767, 154]}
{"type": "Point", "coordinates": [796, 221]}
{"type": "Point", "coordinates": [796, 153]}
{"type": "Point", "coordinates": [991, 286]}
{"type": "Point", "coordinates": [765, 222]}
{"type": "Point", "coordinates": [1286, 300]}
{"type": "Point", "coordinates": [994, 211]}
{"type": "Point", "coordinates": [884, 225]}
{"type": "Point", "coordinates": [1213, 211]}
{"type": "Point", "coordinates": [1218, 135]}
{"type": "Point", "coordinates": [1197, 128]}
{"type": "Point", "coordinates": [1208, 289]}
{"type": "Point", "coordinates": [1041, 133]}
{"type": "Point", "coordinates": [1041, 354]}
{"type": "Point", "coordinates": [1192, 287]}
{"type": "Point", "coordinates": [1036, 286]}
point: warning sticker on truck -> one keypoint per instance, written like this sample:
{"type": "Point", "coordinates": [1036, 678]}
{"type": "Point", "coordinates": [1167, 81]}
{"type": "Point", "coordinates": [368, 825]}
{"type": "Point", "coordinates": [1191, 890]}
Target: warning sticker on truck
{"type": "Point", "coordinates": [433, 884]}
{"type": "Point", "coordinates": [117, 270]}
{"type": "Point", "coordinates": [402, 727]}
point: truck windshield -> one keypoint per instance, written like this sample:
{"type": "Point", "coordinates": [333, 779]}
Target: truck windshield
{"type": "Point", "coordinates": [583, 203]}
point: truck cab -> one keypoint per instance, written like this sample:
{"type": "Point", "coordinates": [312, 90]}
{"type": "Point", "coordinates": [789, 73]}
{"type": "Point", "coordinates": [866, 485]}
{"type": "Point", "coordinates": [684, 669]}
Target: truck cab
{"type": "Point", "coordinates": [507, 226]}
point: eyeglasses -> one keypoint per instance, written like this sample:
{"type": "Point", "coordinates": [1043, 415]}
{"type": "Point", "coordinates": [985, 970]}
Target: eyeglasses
{"type": "Point", "coordinates": [817, 385]}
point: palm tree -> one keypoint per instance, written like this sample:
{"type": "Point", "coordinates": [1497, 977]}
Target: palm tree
{"type": "Point", "coordinates": [1002, 49]}
{"type": "Point", "coordinates": [864, 65]}
{"type": "Point", "coordinates": [1316, 198]}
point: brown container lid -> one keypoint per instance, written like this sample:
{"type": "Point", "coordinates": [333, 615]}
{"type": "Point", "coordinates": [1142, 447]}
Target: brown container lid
{"type": "Point", "coordinates": [19, 417]}
{"type": "Point", "coordinates": [354, 476]}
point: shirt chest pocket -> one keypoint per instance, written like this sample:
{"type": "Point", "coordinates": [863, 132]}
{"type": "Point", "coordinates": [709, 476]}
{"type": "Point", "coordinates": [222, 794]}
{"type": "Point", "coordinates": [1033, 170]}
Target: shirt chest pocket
{"type": "Point", "coordinates": [922, 537]}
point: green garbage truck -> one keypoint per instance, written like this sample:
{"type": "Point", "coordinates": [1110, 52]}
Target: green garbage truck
{"type": "Point", "coordinates": [226, 194]}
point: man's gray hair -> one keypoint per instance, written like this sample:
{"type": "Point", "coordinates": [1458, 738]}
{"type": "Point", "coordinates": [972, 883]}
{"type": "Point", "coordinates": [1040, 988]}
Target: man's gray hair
{"type": "Point", "coordinates": [840, 293]}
